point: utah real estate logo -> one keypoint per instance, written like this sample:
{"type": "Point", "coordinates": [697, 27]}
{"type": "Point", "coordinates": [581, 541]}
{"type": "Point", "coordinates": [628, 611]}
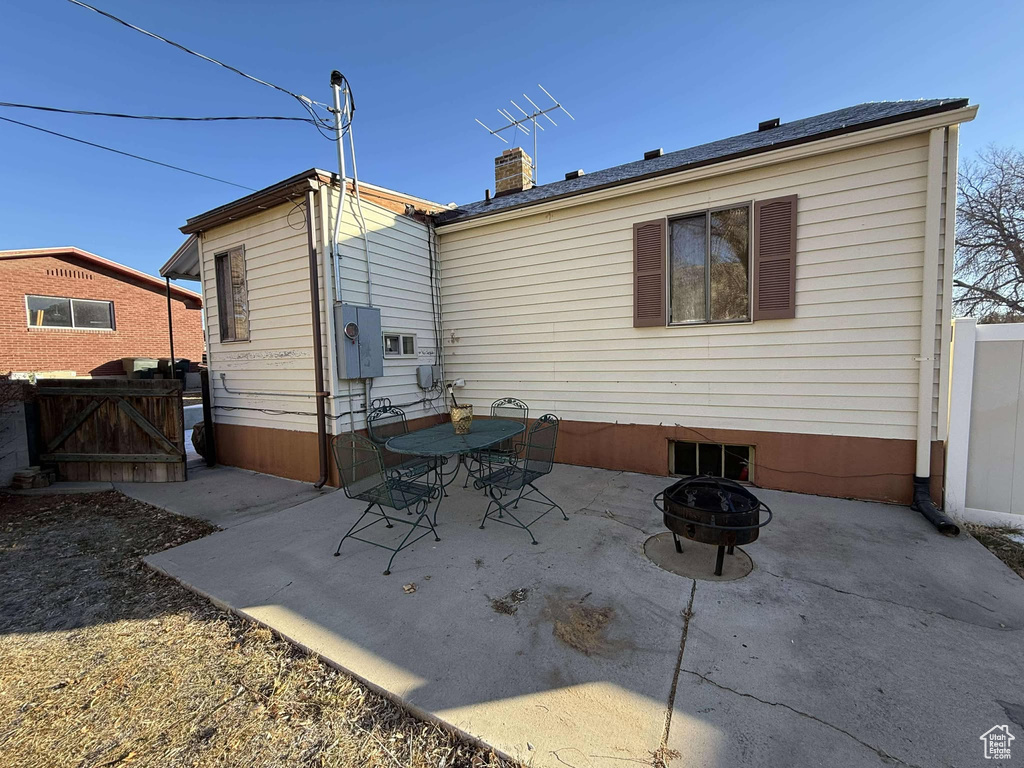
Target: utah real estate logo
{"type": "Point", "coordinates": [997, 742]}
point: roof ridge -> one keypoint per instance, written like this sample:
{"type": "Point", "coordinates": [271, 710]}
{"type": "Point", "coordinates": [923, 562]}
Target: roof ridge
{"type": "Point", "coordinates": [801, 130]}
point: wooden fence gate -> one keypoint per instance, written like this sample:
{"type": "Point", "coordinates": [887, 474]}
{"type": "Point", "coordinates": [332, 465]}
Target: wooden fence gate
{"type": "Point", "coordinates": [113, 429]}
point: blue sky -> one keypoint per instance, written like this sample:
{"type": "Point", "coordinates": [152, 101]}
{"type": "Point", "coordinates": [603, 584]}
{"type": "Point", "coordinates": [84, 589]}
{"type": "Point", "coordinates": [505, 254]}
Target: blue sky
{"type": "Point", "coordinates": [636, 76]}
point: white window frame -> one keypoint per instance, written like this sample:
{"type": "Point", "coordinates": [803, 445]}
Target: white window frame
{"type": "Point", "coordinates": [71, 302]}
{"type": "Point", "coordinates": [749, 205]}
{"type": "Point", "coordinates": [402, 336]}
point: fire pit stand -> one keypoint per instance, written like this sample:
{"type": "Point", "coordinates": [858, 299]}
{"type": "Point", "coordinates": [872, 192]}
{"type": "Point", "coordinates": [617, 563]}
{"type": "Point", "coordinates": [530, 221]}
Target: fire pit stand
{"type": "Point", "coordinates": [712, 510]}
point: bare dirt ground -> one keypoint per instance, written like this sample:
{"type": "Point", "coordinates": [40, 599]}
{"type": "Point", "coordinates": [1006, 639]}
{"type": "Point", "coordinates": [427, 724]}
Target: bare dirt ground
{"type": "Point", "coordinates": [106, 663]}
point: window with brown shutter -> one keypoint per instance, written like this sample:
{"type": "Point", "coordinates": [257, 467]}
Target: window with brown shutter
{"type": "Point", "coordinates": [232, 295]}
{"type": "Point", "coordinates": [649, 273]}
{"type": "Point", "coordinates": [775, 258]}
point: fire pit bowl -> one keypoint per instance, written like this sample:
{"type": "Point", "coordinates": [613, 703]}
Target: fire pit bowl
{"type": "Point", "coordinates": [712, 510]}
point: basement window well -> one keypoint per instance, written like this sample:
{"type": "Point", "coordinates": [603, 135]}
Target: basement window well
{"type": "Point", "coordinates": [734, 462]}
{"type": "Point", "coordinates": [399, 344]}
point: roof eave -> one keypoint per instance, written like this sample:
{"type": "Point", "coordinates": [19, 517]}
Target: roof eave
{"type": "Point", "coordinates": [273, 195]}
{"type": "Point", "coordinates": [91, 258]}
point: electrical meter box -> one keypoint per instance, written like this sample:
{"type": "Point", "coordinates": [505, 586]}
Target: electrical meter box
{"type": "Point", "coordinates": [358, 341]}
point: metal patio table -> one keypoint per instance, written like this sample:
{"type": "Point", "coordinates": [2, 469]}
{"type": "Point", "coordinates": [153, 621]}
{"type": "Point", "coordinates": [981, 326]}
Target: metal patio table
{"type": "Point", "coordinates": [439, 442]}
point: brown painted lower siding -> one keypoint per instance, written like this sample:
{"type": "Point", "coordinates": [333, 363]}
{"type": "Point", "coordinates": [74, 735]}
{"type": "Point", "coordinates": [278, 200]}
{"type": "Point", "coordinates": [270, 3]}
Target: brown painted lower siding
{"type": "Point", "coordinates": [828, 465]}
{"type": "Point", "coordinates": [282, 452]}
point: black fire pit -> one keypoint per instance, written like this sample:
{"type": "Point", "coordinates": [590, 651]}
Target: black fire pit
{"type": "Point", "coordinates": [712, 510]}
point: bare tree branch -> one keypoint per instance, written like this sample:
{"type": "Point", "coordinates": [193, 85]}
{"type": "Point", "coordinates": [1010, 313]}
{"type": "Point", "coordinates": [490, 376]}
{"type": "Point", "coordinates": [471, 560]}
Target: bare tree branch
{"type": "Point", "coordinates": [989, 263]}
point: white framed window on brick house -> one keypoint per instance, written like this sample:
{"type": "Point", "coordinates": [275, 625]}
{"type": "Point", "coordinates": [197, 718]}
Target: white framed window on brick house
{"type": "Point", "coordinates": [731, 264]}
{"type": "Point", "coordinates": [232, 295]}
{"type": "Point", "coordinates": [397, 344]}
{"type": "Point", "coordinates": [59, 312]}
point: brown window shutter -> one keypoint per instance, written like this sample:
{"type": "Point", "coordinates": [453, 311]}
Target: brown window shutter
{"type": "Point", "coordinates": [649, 273]}
{"type": "Point", "coordinates": [775, 258]}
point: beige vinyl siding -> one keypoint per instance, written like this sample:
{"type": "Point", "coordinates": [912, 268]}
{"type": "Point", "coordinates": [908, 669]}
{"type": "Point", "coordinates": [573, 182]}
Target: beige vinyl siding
{"type": "Point", "coordinates": [540, 307]}
{"type": "Point", "coordinates": [278, 358]}
{"type": "Point", "coordinates": [400, 267]}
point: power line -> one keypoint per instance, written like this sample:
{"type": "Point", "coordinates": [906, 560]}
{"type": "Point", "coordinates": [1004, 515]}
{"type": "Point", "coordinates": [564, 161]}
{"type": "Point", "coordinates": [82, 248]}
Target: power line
{"type": "Point", "coordinates": [151, 117]}
{"type": "Point", "coordinates": [189, 51]}
{"type": "Point", "coordinates": [305, 101]}
{"type": "Point", "coordinates": [126, 154]}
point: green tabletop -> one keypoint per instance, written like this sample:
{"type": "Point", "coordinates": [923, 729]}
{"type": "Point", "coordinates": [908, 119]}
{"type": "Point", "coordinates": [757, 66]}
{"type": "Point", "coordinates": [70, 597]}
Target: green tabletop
{"type": "Point", "coordinates": [442, 440]}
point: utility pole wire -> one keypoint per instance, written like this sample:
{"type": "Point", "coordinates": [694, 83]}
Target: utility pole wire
{"type": "Point", "coordinates": [126, 154]}
{"type": "Point", "coordinates": [150, 117]}
{"type": "Point", "coordinates": [305, 101]}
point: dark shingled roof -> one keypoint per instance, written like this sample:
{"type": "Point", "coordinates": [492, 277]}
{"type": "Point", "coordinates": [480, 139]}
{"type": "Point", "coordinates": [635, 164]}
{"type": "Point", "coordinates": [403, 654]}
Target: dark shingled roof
{"type": "Point", "coordinates": [848, 120]}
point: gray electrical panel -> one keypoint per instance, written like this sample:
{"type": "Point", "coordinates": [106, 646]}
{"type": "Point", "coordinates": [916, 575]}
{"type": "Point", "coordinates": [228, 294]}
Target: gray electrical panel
{"type": "Point", "coordinates": [358, 340]}
{"type": "Point", "coordinates": [425, 376]}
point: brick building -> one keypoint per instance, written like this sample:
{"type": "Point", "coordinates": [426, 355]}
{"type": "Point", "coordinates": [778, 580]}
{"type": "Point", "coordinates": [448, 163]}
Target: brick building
{"type": "Point", "coordinates": [67, 310]}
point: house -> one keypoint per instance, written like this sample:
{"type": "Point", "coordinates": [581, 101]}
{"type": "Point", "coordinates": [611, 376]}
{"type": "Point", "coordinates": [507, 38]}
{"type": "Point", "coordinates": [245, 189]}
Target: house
{"type": "Point", "coordinates": [68, 312]}
{"type": "Point", "coordinates": [253, 259]}
{"type": "Point", "coordinates": [782, 298]}
{"type": "Point", "coordinates": [773, 307]}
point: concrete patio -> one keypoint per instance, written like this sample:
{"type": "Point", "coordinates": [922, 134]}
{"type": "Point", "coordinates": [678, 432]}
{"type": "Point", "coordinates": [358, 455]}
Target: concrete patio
{"type": "Point", "coordinates": [862, 637]}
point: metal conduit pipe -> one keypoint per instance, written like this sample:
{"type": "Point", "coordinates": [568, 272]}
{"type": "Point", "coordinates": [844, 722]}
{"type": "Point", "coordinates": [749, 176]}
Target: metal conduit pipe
{"type": "Point", "coordinates": [336, 81]}
{"type": "Point", "coordinates": [224, 384]}
{"type": "Point", "coordinates": [318, 353]}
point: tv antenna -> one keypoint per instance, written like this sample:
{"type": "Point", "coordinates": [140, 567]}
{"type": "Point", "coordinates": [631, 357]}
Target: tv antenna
{"type": "Point", "coordinates": [520, 123]}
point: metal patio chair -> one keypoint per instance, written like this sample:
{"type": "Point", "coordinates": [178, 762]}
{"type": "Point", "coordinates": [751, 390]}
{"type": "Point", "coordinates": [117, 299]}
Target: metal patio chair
{"type": "Point", "coordinates": [538, 458]}
{"type": "Point", "coordinates": [364, 477]}
{"type": "Point", "coordinates": [384, 422]}
{"type": "Point", "coordinates": [507, 451]}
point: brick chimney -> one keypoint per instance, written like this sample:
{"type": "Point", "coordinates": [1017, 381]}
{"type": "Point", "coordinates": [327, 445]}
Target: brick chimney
{"type": "Point", "coordinates": [513, 172]}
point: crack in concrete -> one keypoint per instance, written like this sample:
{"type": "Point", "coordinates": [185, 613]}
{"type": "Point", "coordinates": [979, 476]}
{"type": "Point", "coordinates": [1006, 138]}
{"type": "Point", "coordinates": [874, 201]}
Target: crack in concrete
{"type": "Point", "coordinates": [600, 491]}
{"type": "Point", "coordinates": [609, 515]}
{"type": "Point", "coordinates": [891, 602]}
{"type": "Point", "coordinates": [274, 594]}
{"type": "Point", "coordinates": [660, 755]}
{"type": "Point", "coordinates": [877, 750]}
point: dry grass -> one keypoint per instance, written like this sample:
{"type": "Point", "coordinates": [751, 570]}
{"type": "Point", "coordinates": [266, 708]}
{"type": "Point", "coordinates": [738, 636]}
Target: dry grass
{"type": "Point", "coordinates": [999, 542]}
{"type": "Point", "coordinates": [106, 663]}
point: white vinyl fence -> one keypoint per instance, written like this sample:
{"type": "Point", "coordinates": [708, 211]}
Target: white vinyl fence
{"type": "Point", "coordinates": [985, 443]}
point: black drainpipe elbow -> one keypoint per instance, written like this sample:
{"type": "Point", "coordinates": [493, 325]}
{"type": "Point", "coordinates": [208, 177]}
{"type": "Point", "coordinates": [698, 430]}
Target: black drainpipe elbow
{"type": "Point", "coordinates": [923, 503]}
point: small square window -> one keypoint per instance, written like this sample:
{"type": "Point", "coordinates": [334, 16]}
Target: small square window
{"type": "Point", "coordinates": [399, 344]}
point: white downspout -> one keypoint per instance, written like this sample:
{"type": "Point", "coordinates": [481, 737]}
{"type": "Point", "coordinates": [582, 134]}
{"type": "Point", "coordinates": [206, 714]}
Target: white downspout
{"type": "Point", "coordinates": [923, 502]}
{"type": "Point", "coordinates": [929, 302]}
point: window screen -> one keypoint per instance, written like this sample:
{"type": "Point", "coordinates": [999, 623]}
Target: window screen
{"type": "Point", "coordinates": [709, 264]}
{"type": "Point", "coordinates": [92, 314]}
{"type": "Point", "coordinates": [232, 295]}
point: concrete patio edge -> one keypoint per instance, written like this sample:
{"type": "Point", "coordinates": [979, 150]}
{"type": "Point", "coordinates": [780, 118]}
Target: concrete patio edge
{"type": "Point", "coordinates": [412, 709]}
